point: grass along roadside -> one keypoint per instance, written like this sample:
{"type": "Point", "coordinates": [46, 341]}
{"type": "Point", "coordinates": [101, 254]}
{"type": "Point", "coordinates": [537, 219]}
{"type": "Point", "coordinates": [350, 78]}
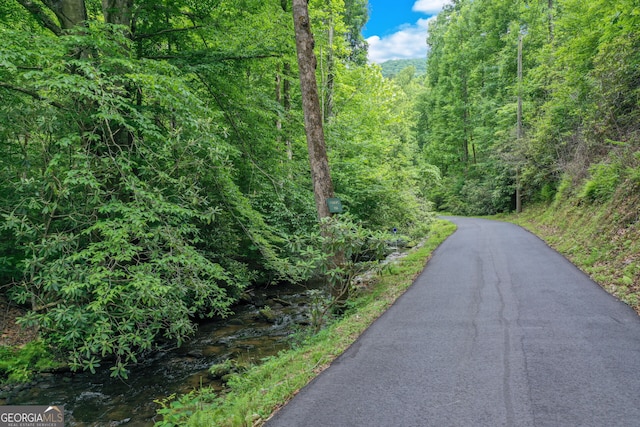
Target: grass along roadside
{"type": "Point", "coordinates": [254, 395]}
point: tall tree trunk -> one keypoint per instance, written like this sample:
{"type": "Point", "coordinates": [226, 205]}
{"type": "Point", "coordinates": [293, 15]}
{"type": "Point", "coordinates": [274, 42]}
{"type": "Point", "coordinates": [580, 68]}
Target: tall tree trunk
{"type": "Point", "coordinates": [284, 94]}
{"type": "Point", "coordinates": [69, 12]}
{"type": "Point", "coordinates": [519, 133]}
{"type": "Point", "coordinates": [465, 123]}
{"type": "Point", "coordinates": [550, 15]}
{"type": "Point", "coordinates": [327, 109]}
{"type": "Point", "coordinates": [118, 12]}
{"type": "Point", "coordinates": [278, 96]}
{"type": "Point", "coordinates": [286, 88]}
{"type": "Point", "coordinates": [322, 185]}
{"type": "Point", "coordinates": [283, 97]}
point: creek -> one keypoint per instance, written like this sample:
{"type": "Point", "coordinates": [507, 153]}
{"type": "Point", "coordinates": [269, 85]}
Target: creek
{"type": "Point", "coordinates": [252, 333]}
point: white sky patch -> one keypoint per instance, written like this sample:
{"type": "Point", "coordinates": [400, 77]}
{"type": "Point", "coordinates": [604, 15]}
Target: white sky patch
{"type": "Point", "coordinates": [429, 7]}
{"type": "Point", "coordinates": [410, 41]}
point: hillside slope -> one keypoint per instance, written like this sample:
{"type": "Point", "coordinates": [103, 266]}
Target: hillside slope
{"type": "Point", "coordinates": [392, 67]}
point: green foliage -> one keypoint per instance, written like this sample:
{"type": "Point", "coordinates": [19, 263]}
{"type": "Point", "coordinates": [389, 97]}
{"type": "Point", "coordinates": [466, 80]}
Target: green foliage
{"type": "Point", "coordinates": [19, 364]}
{"type": "Point", "coordinates": [474, 195]}
{"type": "Point", "coordinates": [343, 250]}
{"type": "Point", "coordinates": [176, 411]}
{"type": "Point", "coordinates": [112, 211]}
{"type": "Point", "coordinates": [603, 182]}
{"type": "Point", "coordinates": [393, 67]}
{"type": "Point", "coordinates": [633, 170]}
{"type": "Point", "coordinates": [149, 174]}
{"type": "Point", "coordinates": [352, 250]}
{"type": "Point", "coordinates": [355, 17]}
{"type": "Point", "coordinates": [548, 192]}
{"type": "Point", "coordinates": [579, 102]}
{"type": "Point", "coordinates": [219, 370]}
{"type": "Point", "coordinates": [374, 157]}
{"type": "Point", "coordinates": [564, 189]}
{"type": "Point", "coordinates": [228, 369]}
{"type": "Point", "coordinates": [319, 304]}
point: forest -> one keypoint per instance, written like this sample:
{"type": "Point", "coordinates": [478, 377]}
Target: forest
{"type": "Point", "coordinates": [531, 98]}
{"type": "Point", "coordinates": [392, 67]}
{"type": "Point", "coordinates": [155, 163]}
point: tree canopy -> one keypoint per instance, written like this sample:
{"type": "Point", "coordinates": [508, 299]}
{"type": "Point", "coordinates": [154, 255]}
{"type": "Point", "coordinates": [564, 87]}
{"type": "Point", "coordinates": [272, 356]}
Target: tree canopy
{"type": "Point", "coordinates": [154, 163]}
{"type": "Point", "coordinates": [579, 93]}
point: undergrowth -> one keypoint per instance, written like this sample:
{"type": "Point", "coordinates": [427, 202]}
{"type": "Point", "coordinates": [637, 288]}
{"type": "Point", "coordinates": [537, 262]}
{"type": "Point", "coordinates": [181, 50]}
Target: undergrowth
{"type": "Point", "coordinates": [20, 364]}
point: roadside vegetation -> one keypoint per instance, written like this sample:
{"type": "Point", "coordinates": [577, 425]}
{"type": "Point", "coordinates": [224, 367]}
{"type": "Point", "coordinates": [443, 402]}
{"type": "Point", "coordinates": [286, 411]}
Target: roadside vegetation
{"type": "Point", "coordinates": [252, 396]}
{"type": "Point", "coordinates": [531, 98]}
{"type": "Point", "coordinates": [537, 105]}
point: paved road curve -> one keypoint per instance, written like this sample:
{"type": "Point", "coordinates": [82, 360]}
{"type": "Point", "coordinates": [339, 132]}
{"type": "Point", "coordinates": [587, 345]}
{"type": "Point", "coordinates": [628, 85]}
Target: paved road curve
{"type": "Point", "coordinates": [499, 330]}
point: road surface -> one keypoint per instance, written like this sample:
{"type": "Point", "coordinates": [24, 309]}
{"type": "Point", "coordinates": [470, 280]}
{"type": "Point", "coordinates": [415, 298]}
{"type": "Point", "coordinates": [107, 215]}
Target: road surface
{"type": "Point", "coordinates": [498, 330]}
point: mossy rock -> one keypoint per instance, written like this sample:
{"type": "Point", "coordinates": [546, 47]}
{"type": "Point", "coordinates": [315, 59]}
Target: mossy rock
{"type": "Point", "coordinates": [267, 314]}
{"type": "Point", "coordinates": [220, 370]}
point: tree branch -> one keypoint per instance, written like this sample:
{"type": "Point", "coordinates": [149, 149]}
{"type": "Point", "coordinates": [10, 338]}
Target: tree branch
{"type": "Point", "coordinates": [32, 94]}
{"type": "Point", "coordinates": [41, 16]}
{"type": "Point", "coordinates": [232, 122]}
{"type": "Point", "coordinates": [46, 306]}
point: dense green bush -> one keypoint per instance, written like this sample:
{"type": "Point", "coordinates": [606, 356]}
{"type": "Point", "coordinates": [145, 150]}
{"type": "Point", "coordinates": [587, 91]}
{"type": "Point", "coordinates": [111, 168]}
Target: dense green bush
{"type": "Point", "coordinates": [473, 196]}
{"type": "Point", "coordinates": [633, 170]}
{"type": "Point", "coordinates": [20, 364]}
{"type": "Point", "coordinates": [117, 237]}
{"type": "Point", "coordinates": [604, 178]}
{"type": "Point", "coordinates": [548, 192]}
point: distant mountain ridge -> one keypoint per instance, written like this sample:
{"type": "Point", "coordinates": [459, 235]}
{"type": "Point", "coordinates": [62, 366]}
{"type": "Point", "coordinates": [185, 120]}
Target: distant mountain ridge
{"type": "Point", "coordinates": [394, 66]}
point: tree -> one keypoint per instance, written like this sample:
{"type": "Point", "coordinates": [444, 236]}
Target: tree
{"type": "Point", "coordinates": [378, 171]}
{"type": "Point", "coordinates": [356, 16]}
{"type": "Point", "coordinates": [307, 63]}
{"type": "Point", "coordinates": [122, 206]}
{"type": "Point", "coordinates": [150, 173]}
{"type": "Point", "coordinates": [526, 118]}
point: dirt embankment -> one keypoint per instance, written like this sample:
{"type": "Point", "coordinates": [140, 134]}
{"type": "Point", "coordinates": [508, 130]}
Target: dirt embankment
{"type": "Point", "coordinates": [13, 334]}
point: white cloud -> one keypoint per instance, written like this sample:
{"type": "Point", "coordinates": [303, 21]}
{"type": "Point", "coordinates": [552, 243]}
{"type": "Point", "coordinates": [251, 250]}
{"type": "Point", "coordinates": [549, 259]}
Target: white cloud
{"type": "Point", "coordinates": [410, 41]}
{"type": "Point", "coordinates": [429, 7]}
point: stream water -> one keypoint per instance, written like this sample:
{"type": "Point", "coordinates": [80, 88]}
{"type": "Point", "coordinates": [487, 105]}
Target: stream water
{"type": "Point", "coordinates": [247, 336]}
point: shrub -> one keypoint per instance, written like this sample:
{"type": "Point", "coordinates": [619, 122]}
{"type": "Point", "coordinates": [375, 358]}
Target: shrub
{"type": "Point", "coordinates": [19, 364]}
{"type": "Point", "coordinates": [604, 180]}
{"type": "Point", "coordinates": [563, 191]}
{"type": "Point", "coordinates": [633, 171]}
{"type": "Point", "coordinates": [548, 192]}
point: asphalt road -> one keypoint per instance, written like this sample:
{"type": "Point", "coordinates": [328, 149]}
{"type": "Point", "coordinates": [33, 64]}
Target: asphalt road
{"type": "Point", "coordinates": [498, 330]}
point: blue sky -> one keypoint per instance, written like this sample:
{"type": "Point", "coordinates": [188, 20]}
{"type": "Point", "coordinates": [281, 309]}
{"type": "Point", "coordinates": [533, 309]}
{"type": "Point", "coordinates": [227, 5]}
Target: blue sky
{"type": "Point", "coordinates": [397, 29]}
